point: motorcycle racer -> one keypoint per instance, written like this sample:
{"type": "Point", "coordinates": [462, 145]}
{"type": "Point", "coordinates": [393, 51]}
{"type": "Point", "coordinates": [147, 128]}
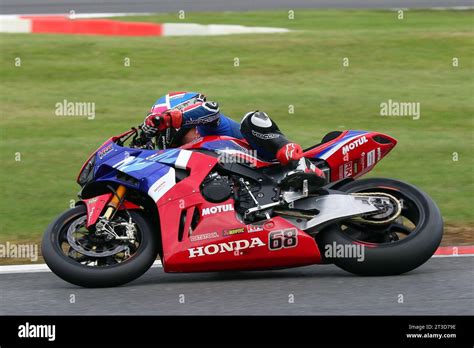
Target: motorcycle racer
{"type": "Point", "coordinates": [192, 111]}
{"type": "Point", "coordinates": [197, 208]}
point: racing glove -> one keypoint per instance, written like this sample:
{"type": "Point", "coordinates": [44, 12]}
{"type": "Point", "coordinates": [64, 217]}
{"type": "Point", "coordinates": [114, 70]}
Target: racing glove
{"type": "Point", "coordinates": [154, 123]}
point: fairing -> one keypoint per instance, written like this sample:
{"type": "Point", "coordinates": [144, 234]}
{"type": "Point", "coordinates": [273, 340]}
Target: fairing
{"type": "Point", "coordinates": [198, 235]}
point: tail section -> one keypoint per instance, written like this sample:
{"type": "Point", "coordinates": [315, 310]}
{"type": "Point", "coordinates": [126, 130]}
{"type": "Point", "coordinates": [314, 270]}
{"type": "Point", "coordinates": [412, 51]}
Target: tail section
{"type": "Point", "coordinates": [352, 153]}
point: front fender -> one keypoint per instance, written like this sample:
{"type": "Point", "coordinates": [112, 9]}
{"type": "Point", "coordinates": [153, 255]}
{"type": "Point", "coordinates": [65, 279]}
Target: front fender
{"type": "Point", "coordinates": [96, 205]}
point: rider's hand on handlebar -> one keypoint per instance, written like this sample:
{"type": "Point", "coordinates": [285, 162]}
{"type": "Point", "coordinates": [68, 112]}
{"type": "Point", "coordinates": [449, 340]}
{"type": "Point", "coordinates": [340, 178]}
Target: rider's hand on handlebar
{"type": "Point", "coordinates": [155, 122]}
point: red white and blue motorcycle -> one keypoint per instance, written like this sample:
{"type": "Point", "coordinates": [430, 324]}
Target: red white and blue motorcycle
{"type": "Point", "coordinates": [212, 205]}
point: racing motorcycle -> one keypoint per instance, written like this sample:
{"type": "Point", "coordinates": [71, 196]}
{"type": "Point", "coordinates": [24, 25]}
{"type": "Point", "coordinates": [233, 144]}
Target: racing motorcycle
{"type": "Point", "coordinates": [214, 205]}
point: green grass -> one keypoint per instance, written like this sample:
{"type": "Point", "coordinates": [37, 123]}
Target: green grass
{"type": "Point", "coordinates": [404, 60]}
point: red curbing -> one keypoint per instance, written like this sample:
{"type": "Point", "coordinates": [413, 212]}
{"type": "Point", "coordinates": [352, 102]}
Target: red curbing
{"type": "Point", "coordinates": [455, 250]}
{"type": "Point", "coordinates": [62, 25]}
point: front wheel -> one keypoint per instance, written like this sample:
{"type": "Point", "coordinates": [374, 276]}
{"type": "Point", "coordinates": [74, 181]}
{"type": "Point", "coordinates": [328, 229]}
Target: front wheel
{"type": "Point", "coordinates": [83, 257]}
{"type": "Point", "coordinates": [385, 249]}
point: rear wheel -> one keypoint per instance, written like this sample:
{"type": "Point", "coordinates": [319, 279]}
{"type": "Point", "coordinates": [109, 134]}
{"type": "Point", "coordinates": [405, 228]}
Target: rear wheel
{"type": "Point", "coordinates": [389, 248]}
{"type": "Point", "coordinates": [83, 257]}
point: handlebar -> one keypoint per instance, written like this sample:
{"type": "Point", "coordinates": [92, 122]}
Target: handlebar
{"type": "Point", "coordinates": [161, 141]}
{"type": "Point", "coordinates": [140, 139]}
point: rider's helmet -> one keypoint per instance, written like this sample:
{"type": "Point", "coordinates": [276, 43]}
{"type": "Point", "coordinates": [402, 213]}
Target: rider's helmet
{"type": "Point", "coordinates": [176, 100]}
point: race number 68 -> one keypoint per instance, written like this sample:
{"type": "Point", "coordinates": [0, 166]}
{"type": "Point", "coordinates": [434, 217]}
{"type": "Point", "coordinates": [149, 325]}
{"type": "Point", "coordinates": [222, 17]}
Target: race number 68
{"type": "Point", "coordinates": [282, 239]}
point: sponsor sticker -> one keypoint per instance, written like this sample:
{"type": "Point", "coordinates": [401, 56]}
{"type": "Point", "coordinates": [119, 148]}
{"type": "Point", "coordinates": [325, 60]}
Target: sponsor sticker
{"type": "Point", "coordinates": [353, 145]}
{"type": "Point", "coordinates": [233, 231]}
{"type": "Point", "coordinates": [203, 236]}
{"type": "Point", "coordinates": [370, 158]}
{"type": "Point", "coordinates": [348, 169]}
{"type": "Point", "coordinates": [254, 228]}
{"type": "Point", "coordinates": [212, 249]}
{"type": "Point", "coordinates": [217, 209]}
{"type": "Point", "coordinates": [105, 150]}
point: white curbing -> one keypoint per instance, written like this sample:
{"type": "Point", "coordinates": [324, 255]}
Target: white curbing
{"type": "Point", "coordinates": [15, 25]}
{"type": "Point", "coordinates": [191, 29]}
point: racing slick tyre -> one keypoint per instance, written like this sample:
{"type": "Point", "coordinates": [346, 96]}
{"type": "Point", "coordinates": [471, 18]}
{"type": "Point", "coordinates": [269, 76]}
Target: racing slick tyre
{"type": "Point", "coordinates": [77, 255]}
{"type": "Point", "coordinates": [388, 249]}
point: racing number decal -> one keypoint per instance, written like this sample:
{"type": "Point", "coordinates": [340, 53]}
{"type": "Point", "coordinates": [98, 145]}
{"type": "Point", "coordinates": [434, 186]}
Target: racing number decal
{"type": "Point", "coordinates": [282, 239]}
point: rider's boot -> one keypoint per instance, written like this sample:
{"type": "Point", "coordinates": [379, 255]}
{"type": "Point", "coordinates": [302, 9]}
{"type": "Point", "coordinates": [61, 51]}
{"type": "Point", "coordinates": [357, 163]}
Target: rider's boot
{"type": "Point", "coordinates": [299, 168]}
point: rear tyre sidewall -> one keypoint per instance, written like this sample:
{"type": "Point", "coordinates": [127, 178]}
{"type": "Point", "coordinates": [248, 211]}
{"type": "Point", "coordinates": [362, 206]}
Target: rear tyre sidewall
{"type": "Point", "coordinates": [391, 258]}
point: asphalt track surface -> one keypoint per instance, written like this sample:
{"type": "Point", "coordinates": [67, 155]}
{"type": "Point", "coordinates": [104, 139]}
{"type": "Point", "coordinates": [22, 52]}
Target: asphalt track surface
{"type": "Point", "coordinates": [442, 286]}
{"type": "Point", "coordinates": [141, 6]}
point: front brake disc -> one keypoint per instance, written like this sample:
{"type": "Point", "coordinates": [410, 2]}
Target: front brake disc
{"type": "Point", "coordinates": [77, 246]}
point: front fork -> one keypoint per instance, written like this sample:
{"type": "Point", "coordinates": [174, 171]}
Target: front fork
{"type": "Point", "coordinates": [115, 202]}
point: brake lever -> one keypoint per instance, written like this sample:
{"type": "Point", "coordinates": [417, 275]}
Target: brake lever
{"type": "Point", "coordinates": [135, 135]}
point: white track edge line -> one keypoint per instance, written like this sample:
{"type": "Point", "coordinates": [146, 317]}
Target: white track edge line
{"type": "Point", "coordinates": [42, 267]}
